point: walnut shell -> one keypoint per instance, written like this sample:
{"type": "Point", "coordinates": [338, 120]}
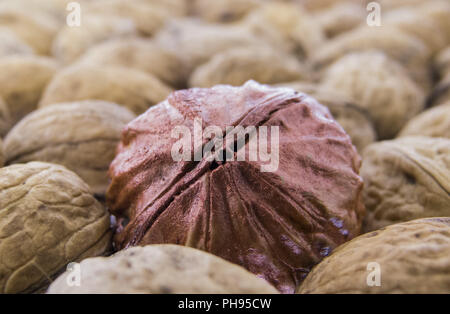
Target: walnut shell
{"type": "Point", "coordinates": [411, 52]}
{"type": "Point", "coordinates": [2, 155]}
{"type": "Point", "coordinates": [340, 18]}
{"type": "Point", "coordinates": [133, 89]}
{"type": "Point", "coordinates": [140, 54]}
{"type": "Point", "coordinates": [406, 179]}
{"type": "Point", "coordinates": [71, 42]}
{"type": "Point", "coordinates": [11, 44]}
{"type": "Point", "coordinates": [355, 120]}
{"type": "Point", "coordinates": [442, 62]}
{"type": "Point", "coordinates": [162, 269]}
{"type": "Point", "coordinates": [5, 118]}
{"type": "Point", "coordinates": [48, 218]}
{"type": "Point", "coordinates": [222, 11]}
{"type": "Point", "coordinates": [413, 257]}
{"type": "Point", "coordinates": [36, 28]}
{"type": "Point", "coordinates": [381, 86]}
{"type": "Point", "coordinates": [276, 224]}
{"type": "Point", "coordinates": [22, 80]}
{"type": "Point", "coordinates": [237, 66]}
{"type": "Point", "coordinates": [434, 122]}
{"type": "Point", "coordinates": [81, 136]}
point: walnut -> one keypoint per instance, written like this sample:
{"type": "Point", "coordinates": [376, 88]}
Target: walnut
{"type": "Point", "coordinates": [411, 257]}
{"type": "Point", "coordinates": [5, 118]}
{"type": "Point", "coordinates": [131, 88]}
{"type": "Point", "coordinates": [140, 54]}
{"type": "Point", "coordinates": [340, 18]}
{"type": "Point", "coordinates": [162, 269]}
{"type": "Point", "coordinates": [71, 42]}
{"type": "Point", "coordinates": [223, 11]}
{"type": "Point", "coordinates": [11, 44]}
{"type": "Point", "coordinates": [441, 92]}
{"type": "Point", "coordinates": [237, 66]}
{"type": "Point", "coordinates": [22, 80]}
{"type": "Point", "coordinates": [48, 218]}
{"type": "Point", "coordinates": [275, 222]}
{"type": "Point", "coordinates": [434, 122]}
{"type": "Point", "coordinates": [81, 136]}
{"type": "Point", "coordinates": [2, 157]}
{"type": "Point", "coordinates": [381, 86]}
{"type": "Point", "coordinates": [442, 62]}
{"type": "Point", "coordinates": [406, 179]}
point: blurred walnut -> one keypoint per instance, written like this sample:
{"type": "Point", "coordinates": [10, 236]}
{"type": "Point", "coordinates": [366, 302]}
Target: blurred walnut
{"type": "Point", "coordinates": [442, 62]}
{"type": "Point", "coordinates": [441, 92]}
{"type": "Point", "coordinates": [140, 54]}
{"type": "Point", "coordinates": [223, 10]}
{"type": "Point", "coordinates": [378, 84]}
{"type": "Point", "coordinates": [162, 269]}
{"type": "Point", "coordinates": [22, 80]}
{"type": "Point", "coordinates": [48, 218]}
{"type": "Point", "coordinates": [355, 120]}
{"type": "Point", "coordinates": [238, 65]}
{"type": "Point", "coordinates": [413, 257]}
{"type": "Point", "coordinates": [433, 122]}
{"type": "Point", "coordinates": [5, 118]}
{"type": "Point", "coordinates": [133, 89]}
{"type": "Point", "coordinates": [405, 179]}
{"type": "Point", "coordinates": [71, 42]}
{"type": "Point", "coordinates": [411, 52]}
{"type": "Point", "coordinates": [439, 12]}
{"type": "Point", "coordinates": [2, 157]}
{"type": "Point", "coordinates": [341, 18]}
{"type": "Point", "coordinates": [81, 136]}
{"type": "Point", "coordinates": [11, 44]}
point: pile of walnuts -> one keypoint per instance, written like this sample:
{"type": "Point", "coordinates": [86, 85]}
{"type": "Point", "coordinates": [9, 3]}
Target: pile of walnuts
{"type": "Point", "coordinates": [86, 173]}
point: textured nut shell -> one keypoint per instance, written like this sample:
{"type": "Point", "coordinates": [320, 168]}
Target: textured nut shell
{"type": "Point", "coordinates": [133, 89]}
{"type": "Point", "coordinates": [147, 18]}
{"type": "Point", "coordinates": [139, 54]}
{"type": "Point", "coordinates": [48, 218]}
{"type": "Point", "coordinates": [295, 24]}
{"type": "Point", "coordinates": [356, 121]}
{"type": "Point", "coordinates": [381, 86]}
{"type": "Point", "coordinates": [22, 81]}
{"type": "Point", "coordinates": [223, 11]}
{"type": "Point", "coordinates": [438, 11]}
{"type": "Point", "coordinates": [406, 179]}
{"type": "Point", "coordinates": [81, 136]}
{"type": "Point", "coordinates": [433, 122]}
{"type": "Point", "coordinates": [404, 48]}
{"type": "Point", "coordinates": [10, 44]}
{"type": "Point", "coordinates": [35, 28]}
{"type": "Point", "coordinates": [162, 269]}
{"type": "Point", "coordinates": [72, 42]}
{"type": "Point", "coordinates": [195, 42]}
{"type": "Point", "coordinates": [237, 66]}
{"type": "Point", "coordinates": [276, 224]}
{"type": "Point", "coordinates": [414, 257]}
{"type": "Point", "coordinates": [340, 18]}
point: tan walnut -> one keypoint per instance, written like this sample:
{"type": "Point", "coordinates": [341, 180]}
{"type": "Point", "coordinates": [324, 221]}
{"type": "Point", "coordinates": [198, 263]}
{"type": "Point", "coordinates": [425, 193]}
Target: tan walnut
{"type": "Point", "coordinates": [48, 218]}
{"type": "Point", "coordinates": [81, 136]}
{"type": "Point", "coordinates": [409, 257]}
{"type": "Point", "coordinates": [405, 179]}
{"type": "Point", "coordinates": [162, 269]}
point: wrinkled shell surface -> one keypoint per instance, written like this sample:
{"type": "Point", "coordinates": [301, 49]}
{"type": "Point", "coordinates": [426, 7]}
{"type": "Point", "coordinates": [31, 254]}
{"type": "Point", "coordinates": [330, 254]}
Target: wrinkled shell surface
{"type": "Point", "coordinates": [406, 179]}
{"type": "Point", "coordinates": [414, 257]}
{"type": "Point", "coordinates": [22, 81]}
{"type": "Point", "coordinates": [223, 11]}
{"type": "Point", "coordinates": [382, 87]}
{"type": "Point", "coordinates": [276, 224]}
{"type": "Point", "coordinates": [10, 44]}
{"type": "Point", "coordinates": [434, 122]}
{"type": "Point", "coordinates": [237, 66]}
{"type": "Point", "coordinates": [139, 54]}
{"type": "Point", "coordinates": [81, 136]}
{"type": "Point", "coordinates": [130, 88]}
{"type": "Point", "coordinates": [48, 218]}
{"type": "Point", "coordinates": [72, 42]}
{"type": "Point", "coordinates": [162, 269]}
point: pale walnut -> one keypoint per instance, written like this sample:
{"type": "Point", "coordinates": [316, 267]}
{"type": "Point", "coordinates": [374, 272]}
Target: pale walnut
{"type": "Point", "coordinates": [355, 120]}
{"type": "Point", "coordinates": [71, 42]}
{"type": "Point", "coordinates": [434, 122]}
{"type": "Point", "coordinates": [133, 89]}
{"type": "Point", "coordinates": [409, 257]}
{"type": "Point", "coordinates": [80, 136]}
{"type": "Point", "coordinates": [381, 86]}
{"type": "Point", "coordinates": [22, 80]}
{"type": "Point", "coordinates": [11, 44]}
{"type": "Point", "coordinates": [48, 218]}
{"type": "Point", "coordinates": [406, 179]}
{"type": "Point", "coordinates": [157, 269]}
{"type": "Point", "coordinates": [140, 54]}
{"type": "Point", "coordinates": [237, 66]}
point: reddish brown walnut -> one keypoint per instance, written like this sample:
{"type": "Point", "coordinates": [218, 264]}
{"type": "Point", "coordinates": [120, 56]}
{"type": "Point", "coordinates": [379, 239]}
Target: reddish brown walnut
{"type": "Point", "coordinates": [276, 224]}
